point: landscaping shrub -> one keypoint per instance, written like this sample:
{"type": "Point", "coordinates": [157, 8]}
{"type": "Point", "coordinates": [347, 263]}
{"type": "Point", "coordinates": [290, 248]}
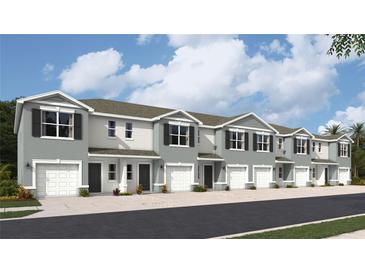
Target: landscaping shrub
{"type": "Point", "coordinates": [276, 185]}
{"type": "Point", "coordinates": [24, 194]}
{"type": "Point", "coordinates": [227, 188]}
{"type": "Point", "coordinates": [313, 185]}
{"type": "Point", "coordinates": [84, 192]}
{"type": "Point", "coordinates": [139, 189]}
{"type": "Point", "coordinates": [199, 188]}
{"type": "Point", "coordinates": [164, 189]}
{"type": "Point", "coordinates": [126, 194]}
{"type": "Point", "coordinates": [8, 188]}
{"type": "Point", "coordinates": [116, 192]}
{"type": "Point", "coordinates": [290, 186]}
{"type": "Point", "coordinates": [341, 184]}
{"type": "Point", "coordinates": [357, 181]}
{"type": "Point", "coordinates": [252, 187]}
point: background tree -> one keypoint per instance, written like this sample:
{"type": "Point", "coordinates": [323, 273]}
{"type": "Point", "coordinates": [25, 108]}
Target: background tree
{"type": "Point", "coordinates": [344, 44]}
{"type": "Point", "coordinates": [357, 131]}
{"type": "Point", "coordinates": [334, 129]}
{"type": "Point", "coordinates": [8, 140]}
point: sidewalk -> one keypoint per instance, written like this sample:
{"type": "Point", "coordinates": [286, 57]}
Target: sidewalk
{"type": "Point", "coordinates": [360, 234]}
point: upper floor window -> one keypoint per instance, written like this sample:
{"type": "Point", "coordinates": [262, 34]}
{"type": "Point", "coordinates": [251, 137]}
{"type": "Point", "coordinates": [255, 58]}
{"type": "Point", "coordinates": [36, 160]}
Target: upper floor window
{"type": "Point", "coordinates": [236, 139]}
{"type": "Point", "coordinates": [314, 146]}
{"type": "Point", "coordinates": [319, 147]}
{"type": "Point", "coordinates": [112, 172]}
{"type": "Point", "coordinates": [128, 130]}
{"type": "Point", "coordinates": [314, 172]}
{"type": "Point", "coordinates": [280, 143]}
{"type": "Point", "coordinates": [57, 124]}
{"type": "Point", "coordinates": [179, 135]}
{"type": "Point", "coordinates": [129, 172]}
{"type": "Point", "coordinates": [111, 128]}
{"type": "Point", "coordinates": [301, 146]}
{"type": "Point", "coordinates": [263, 142]}
{"type": "Point", "coordinates": [344, 150]}
{"type": "Point", "coordinates": [280, 172]}
{"type": "Point", "coordinates": [198, 136]}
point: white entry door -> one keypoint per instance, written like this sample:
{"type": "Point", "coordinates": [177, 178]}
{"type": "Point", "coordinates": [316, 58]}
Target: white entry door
{"type": "Point", "coordinates": [179, 178]}
{"type": "Point", "coordinates": [343, 175]}
{"type": "Point", "coordinates": [301, 176]}
{"type": "Point", "coordinates": [57, 179]}
{"type": "Point", "coordinates": [237, 177]}
{"type": "Point", "coordinates": [262, 177]}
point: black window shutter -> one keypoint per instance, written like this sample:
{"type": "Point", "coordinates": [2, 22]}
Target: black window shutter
{"type": "Point", "coordinates": [254, 142]}
{"type": "Point", "coordinates": [271, 143]}
{"type": "Point", "coordinates": [246, 141]}
{"type": "Point", "coordinates": [295, 145]}
{"type": "Point", "coordinates": [228, 145]}
{"type": "Point", "coordinates": [78, 126]}
{"type": "Point", "coordinates": [338, 149]}
{"type": "Point", "coordinates": [308, 146]}
{"type": "Point", "coordinates": [166, 134]}
{"type": "Point", "coordinates": [191, 136]}
{"type": "Point", "coordinates": [36, 122]}
{"type": "Point", "coordinates": [349, 150]}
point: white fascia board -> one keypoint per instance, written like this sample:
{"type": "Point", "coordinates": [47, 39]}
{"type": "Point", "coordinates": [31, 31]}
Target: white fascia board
{"type": "Point", "coordinates": [317, 163]}
{"type": "Point", "coordinates": [310, 134]}
{"type": "Point", "coordinates": [51, 93]}
{"type": "Point", "coordinates": [123, 156]}
{"type": "Point", "coordinates": [177, 111]}
{"type": "Point", "coordinates": [18, 114]}
{"type": "Point", "coordinates": [210, 159]}
{"type": "Point", "coordinates": [246, 115]}
{"type": "Point", "coordinates": [121, 116]}
{"type": "Point", "coordinates": [284, 162]}
{"type": "Point", "coordinates": [335, 140]}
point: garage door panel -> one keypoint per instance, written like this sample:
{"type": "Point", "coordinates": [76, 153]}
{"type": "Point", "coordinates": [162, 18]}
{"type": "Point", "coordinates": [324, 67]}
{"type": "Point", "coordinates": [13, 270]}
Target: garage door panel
{"type": "Point", "coordinates": [301, 176]}
{"type": "Point", "coordinates": [179, 177]}
{"type": "Point", "coordinates": [344, 176]}
{"type": "Point", "coordinates": [262, 177]}
{"type": "Point", "coordinates": [237, 177]}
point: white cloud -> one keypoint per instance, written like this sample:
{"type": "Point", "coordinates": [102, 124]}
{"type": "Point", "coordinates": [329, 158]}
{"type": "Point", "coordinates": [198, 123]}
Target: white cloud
{"type": "Point", "coordinates": [144, 39]}
{"type": "Point", "coordinates": [193, 40]}
{"type": "Point", "coordinates": [47, 71]}
{"type": "Point", "coordinates": [275, 47]}
{"type": "Point", "coordinates": [361, 96]}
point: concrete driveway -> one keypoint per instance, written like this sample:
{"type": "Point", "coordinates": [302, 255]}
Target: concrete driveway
{"type": "Point", "coordinates": [102, 204]}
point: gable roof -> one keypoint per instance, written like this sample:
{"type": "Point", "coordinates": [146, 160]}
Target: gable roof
{"type": "Point", "coordinates": [284, 130]}
{"type": "Point", "coordinates": [332, 138]}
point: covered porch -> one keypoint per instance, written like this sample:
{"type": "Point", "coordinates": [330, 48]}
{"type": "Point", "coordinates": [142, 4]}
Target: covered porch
{"type": "Point", "coordinates": [209, 166]}
{"type": "Point", "coordinates": [324, 172]}
{"type": "Point", "coordinates": [283, 172]}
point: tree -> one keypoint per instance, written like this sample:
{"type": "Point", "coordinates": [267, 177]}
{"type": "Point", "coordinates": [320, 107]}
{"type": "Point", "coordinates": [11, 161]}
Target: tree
{"type": "Point", "coordinates": [357, 160]}
{"type": "Point", "coordinates": [344, 44]}
{"type": "Point", "coordinates": [357, 131]}
{"type": "Point", "coordinates": [8, 140]}
{"type": "Point", "coordinates": [334, 129]}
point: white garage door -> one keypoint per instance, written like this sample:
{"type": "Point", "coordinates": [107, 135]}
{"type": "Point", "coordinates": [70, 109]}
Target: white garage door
{"type": "Point", "coordinates": [301, 176]}
{"type": "Point", "coordinates": [262, 177]}
{"type": "Point", "coordinates": [343, 176]}
{"type": "Point", "coordinates": [57, 179]}
{"type": "Point", "coordinates": [237, 177]}
{"type": "Point", "coordinates": [179, 177]}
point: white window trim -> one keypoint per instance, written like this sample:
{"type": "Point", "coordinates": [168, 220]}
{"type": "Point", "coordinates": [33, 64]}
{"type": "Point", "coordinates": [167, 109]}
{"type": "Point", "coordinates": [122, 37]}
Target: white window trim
{"type": "Point", "coordinates": [319, 146]}
{"type": "Point", "coordinates": [128, 130]}
{"type": "Point", "coordinates": [115, 129]}
{"type": "Point", "coordinates": [115, 172]}
{"type": "Point", "coordinates": [179, 124]}
{"type": "Point", "coordinates": [305, 145]}
{"type": "Point", "coordinates": [280, 144]}
{"type": "Point", "coordinates": [264, 134]}
{"type": "Point", "coordinates": [57, 110]}
{"type": "Point", "coordinates": [243, 141]}
{"type": "Point", "coordinates": [346, 149]}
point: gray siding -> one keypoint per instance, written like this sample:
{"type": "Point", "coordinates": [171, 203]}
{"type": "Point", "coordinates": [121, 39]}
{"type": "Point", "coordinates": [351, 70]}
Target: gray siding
{"type": "Point", "coordinates": [250, 121]}
{"type": "Point", "coordinates": [30, 148]}
{"type": "Point", "coordinates": [333, 155]}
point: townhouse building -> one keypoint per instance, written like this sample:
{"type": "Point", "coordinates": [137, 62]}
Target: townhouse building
{"type": "Point", "coordinates": [66, 144]}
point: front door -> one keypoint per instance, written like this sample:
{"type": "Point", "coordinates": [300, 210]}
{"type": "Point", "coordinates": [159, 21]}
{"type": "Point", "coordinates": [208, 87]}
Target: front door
{"type": "Point", "coordinates": [144, 176]}
{"type": "Point", "coordinates": [208, 176]}
{"type": "Point", "coordinates": [94, 177]}
{"type": "Point", "coordinates": [326, 175]}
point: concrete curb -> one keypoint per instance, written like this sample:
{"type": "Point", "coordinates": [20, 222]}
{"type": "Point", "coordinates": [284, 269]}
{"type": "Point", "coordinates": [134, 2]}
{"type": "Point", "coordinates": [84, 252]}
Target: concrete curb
{"type": "Point", "coordinates": [7, 209]}
{"type": "Point", "coordinates": [288, 226]}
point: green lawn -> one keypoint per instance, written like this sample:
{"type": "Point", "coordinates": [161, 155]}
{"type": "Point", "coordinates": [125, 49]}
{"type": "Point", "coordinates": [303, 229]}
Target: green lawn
{"type": "Point", "coordinates": [20, 203]}
{"type": "Point", "coordinates": [312, 231]}
{"type": "Point", "coordinates": [17, 214]}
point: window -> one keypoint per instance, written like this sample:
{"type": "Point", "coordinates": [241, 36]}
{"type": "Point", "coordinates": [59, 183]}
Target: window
{"type": "Point", "coordinates": [236, 140]}
{"type": "Point", "coordinates": [319, 147]}
{"type": "Point", "coordinates": [57, 124]}
{"type": "Point", "coordinates": [112, 172]}
{"type": "Point", "coordinates": [263, 142]}
{"type": "Point", "coordinates": [280, 143]}
{"type": "Point", "coordinates": [343, 150]}
{"type": "Point", "coordinates": [314, 146]}
{"type": "Point", "coordinates": [129, 172]}
{"type": "Point", "coordinates": [314, 173]}
{"type": "Point", "coordinates": [128, 130]}
{"type": "Point", "coordinates": [179, 135]}
{"type": "Point", "coordinates": [111, 128]}
{"type": "Point", "coordinates": [280, 172]}
{"type": "Point", "coordinates": [301, 146]}
{"type": "Point", "coordinates": [198, 136]}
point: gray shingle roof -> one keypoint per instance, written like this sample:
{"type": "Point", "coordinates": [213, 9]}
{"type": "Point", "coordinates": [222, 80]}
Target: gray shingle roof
{"type": "Point", "coordinates": [126, 152]}
{"type": "Point", "coordinates": [323, 161]}
{"type": "Point", "coordinates": [328, 137]}
{"type": "Point", "coordinates": [282, 159]}
{"type": "Point", "coordinates": [209, 156]}
{"type": "Point", "coordinates": [284, 130]}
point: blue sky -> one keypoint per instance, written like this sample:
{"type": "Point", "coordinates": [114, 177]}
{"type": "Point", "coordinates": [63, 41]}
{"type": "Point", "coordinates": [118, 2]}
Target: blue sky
{"type": "Point", "coordinates": [289, 80]}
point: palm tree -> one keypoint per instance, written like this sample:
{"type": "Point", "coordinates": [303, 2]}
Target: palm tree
{"type": "Point", "coordinates": [357, 131]}
{"type": "Point", "coordinates": [334, 129]}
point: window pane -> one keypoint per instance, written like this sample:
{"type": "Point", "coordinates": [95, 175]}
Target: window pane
{"type": "Point", "coordinates": [240, 135]}
{"type": "Point", "coordinates": [174, 129]}
{"type": "Point", "coordinates": [111, 124]}
{"type": "Point", "coordinates": [112, 167]}
{"type": "Point", "coordinates": [64, 131]}
{"type": "Point", "coordinates": [111, 132]}
{"type": "Point", "coordinates": [49, 130]}
{"type": "Point", "coordinates": [111, 176]}
{"type": "Point", "coordinates": [128, 126]}
{"type": "Point", "coordinates": [49, 117]}
{"type": "Point", "coordinates": [233, 135]}
{"type": "Point", "coordinates": [183, 130]}
{"type": "Point", "coordinates": [128, 134]}
{"type": "Point", "coordinates": [174, 140]}
{"type": "Point", "coordinates": [239, 145]}
{"type": "Point", "coordinates": [129, 167]}
{"type": "Point", "coordinates": [129, 176]}
{"type": "Point", "coordinates": [183, 140]}
{"type": "Point", "coordinates": [65, 118]}
{"type": "Point", "coordinates": [233, 144]}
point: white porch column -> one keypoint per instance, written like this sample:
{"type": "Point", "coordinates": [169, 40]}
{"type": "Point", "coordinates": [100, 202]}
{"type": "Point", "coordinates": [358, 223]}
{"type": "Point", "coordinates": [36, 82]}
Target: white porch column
{"type": "Point", "coordinates": [123, 175]}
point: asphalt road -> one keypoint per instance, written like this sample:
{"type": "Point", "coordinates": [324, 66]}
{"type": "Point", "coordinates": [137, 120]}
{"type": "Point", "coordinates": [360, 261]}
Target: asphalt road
{"type": "Point", "coordinates": [187, 222]}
